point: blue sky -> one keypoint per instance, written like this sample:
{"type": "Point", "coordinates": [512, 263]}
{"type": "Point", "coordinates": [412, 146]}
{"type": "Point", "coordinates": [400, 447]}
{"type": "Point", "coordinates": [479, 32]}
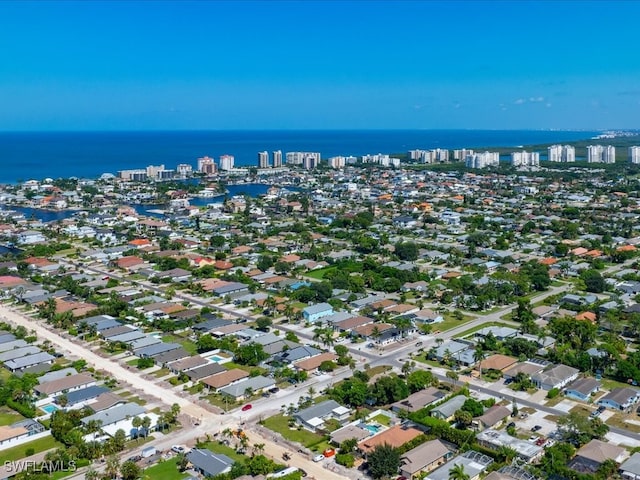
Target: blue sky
{"type": "Point", "coordinates": [320, 65]}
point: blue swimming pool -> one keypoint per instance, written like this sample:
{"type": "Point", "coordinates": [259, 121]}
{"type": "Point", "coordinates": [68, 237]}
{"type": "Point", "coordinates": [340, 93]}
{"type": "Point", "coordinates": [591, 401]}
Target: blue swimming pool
{"type": "Point", "coordinates": [372, 428]}
{"type": "Point", "coordinates": [215, 358]}
{"type": "Point", "coordinates": [49, 408]}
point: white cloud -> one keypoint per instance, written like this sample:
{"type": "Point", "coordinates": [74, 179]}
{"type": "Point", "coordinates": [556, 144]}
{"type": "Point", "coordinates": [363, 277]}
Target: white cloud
{"type": "Point", "coordinates": [519, 101]}
{"type": "Point", "coordinates": [536, 99]}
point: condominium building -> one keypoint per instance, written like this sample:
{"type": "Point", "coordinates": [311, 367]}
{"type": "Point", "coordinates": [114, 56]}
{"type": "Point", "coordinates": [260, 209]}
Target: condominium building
{"type": "Point", "coordinates": [306, 159]}
{"type": "Point", "coordinates": [263, 159]}
{"type": "Point", "coordinates": [277, 158]}
{"type": "Point", "coordinates": [382, 159]}
{"type": "Point", "coordinates": [601, 154]}
{"type": "Point", "coordinates": [461, 154]}
{"type": "Point", "coordinates": [482, 160]}
{"type": "Point", "coordinates": [226, 162]}
{"type": "Point", "coordinates": [206, 165]}
{"type": "Point", "coordinates": [525, 159]}
{"type": "Point", "coordinates": [561, 153]}
{"type": "Point", "coordinates": [184, 170]}
{"type": "Point", "coordinates": [634, 155]}
{"type": "Point", "coordinates": [337, 162]}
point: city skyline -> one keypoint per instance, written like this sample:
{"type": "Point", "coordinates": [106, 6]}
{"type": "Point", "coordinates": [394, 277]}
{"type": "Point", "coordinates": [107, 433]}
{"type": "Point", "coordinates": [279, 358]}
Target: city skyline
{"type": "Point", "coordinates": [318, 65]}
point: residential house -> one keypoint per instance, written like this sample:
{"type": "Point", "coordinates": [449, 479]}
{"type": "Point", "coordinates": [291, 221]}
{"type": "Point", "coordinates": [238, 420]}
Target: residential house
{"type": "Point", "coordinates": [418, 400]}
{"type": "Point", "coordinates": [582, 388]}
{"type": "Point", "coordinates": [209, 464]}
{"type": "Point", "coordinates": [317, 311]}
{"type": "Point", "coordinates": [492, 417]}
{"type": "Point", "coordinates": [311, 364]}
{"type": "Point", "coordinates": [66, 384]}
{"type": "Point", "coordinates": [424, 458]}
{"type": "Point", "coordinates": [592, 455]}
{"type": "Point", "coordinates": [494, 439]}
{"type": "Point", "coordinates": [28, 361]}
{"type": "Point", "coordinates": [395, 436]}
{"type": "Point", "coordinates": [473, 464]}
{"type": "Point", "coordinates": [620, 399]}
{"type": "Point", "coordinates": [557, 376]}
{"type": "Point", "coordinates": [224, 379]}
{"type": "Point", "coordinates": [630, 470]}
{"type": "Point", "coordinates": [239, 390]}
{"type": "Point", "coordinates": [313, 418]}
{"type": "Point", "coordinates": [446, 410]}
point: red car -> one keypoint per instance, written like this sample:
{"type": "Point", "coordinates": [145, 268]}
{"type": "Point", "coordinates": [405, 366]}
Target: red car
{"type": "Point", "coordinates": [246, 407]}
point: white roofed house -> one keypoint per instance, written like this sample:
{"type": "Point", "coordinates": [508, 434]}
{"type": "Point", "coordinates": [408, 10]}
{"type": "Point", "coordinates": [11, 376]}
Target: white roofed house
{"type": "Point", "coordinates": [557, 376]}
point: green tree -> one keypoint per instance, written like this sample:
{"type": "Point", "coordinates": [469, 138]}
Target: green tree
{"type": "Point", "coordinates": [130, 471]}
{"type": "Point", "coordinates": [251, 354]}
{"type": "Point", "coordinates": [578, 429]}
{"type": "Point", "coordinates": [384, 461]}
{"type": "Point", "coordinates": [457, 473]}
{"type": "Point", "coordinates": [420, 379]}
{"type": "Point", "coordinates": [593, 281]}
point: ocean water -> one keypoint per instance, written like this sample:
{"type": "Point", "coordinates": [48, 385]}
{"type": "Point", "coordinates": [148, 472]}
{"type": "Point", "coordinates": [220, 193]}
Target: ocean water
{"type": "Point", "coordinates": [38, 155]}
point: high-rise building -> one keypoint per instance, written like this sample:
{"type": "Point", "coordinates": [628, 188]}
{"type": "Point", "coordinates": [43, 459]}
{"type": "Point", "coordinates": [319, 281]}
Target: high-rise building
{"type": "Point", "coordinates": [337, 162]}
{"type": "Point", "coordinates": [184, 170]}
{"type": "Point", "coordinates": [482, 160]}
{"type": "Point", "coordinates": [525, 159]}
{"type": "Point", "coordinates": [277, 158]}
{"type": "Point", "coordinates": [308, 160]}
{"type": "Point", "coordinates": [561, 153]}
{"type": "Point", "coordinates": [600, 154]}
{"type": "Point", "coordinates": [634, 155]}
{"type": "Point", "coordinates": [226, 162]}
{"type": "Point", "coordinates": [263, 159]}
{"type": "Point", "coordinates": [206, 165]}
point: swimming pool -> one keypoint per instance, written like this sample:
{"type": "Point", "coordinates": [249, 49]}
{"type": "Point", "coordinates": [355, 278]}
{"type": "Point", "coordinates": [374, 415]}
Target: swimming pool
{"type": "Point", "coordinates": [216, 358]}
{"type": "Point", "coordinates": [372, 428]}
{"type": "Point", "coordinates": [49, 408]}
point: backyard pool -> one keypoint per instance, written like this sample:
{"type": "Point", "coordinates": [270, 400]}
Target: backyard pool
{"type": "Point", "coordinates": [49, 408]}
{"type": "Point", "coordinates": [216, 358]}
{"type": "Point", "coordinates": [373, 428]}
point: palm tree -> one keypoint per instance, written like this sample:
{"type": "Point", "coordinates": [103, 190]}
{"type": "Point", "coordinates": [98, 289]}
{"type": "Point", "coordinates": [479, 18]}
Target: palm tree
{"type": "Point", "coordinates": [112, 467]}
{"type": "Point", "coordinates": [136, 423]}
{"type": "Point", "coordinates": [478, 356]}
{"type": "Point", "coordinates": [457, 473]}
{"type": "Point", "coordinates": [258, 448]}
{"type": "Point", "coordinates": [311, 392]}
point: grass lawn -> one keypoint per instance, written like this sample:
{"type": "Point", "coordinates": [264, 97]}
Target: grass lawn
{"type": "Point", "coordinates": [377, 370]}
{"type": "Point", "coordinates": [280, 424]}
{"type": "Point", "coordinates": [220, 402]}
{"type": "Point", "coordinates": [187, 344]}
{"type": "Point", "coordinates": [466, 333]}
{"type": "Point", "coordinates": [320, 273]}
{"type": "Point", "coordinates": [138, 400]}
{"type": "Point", "coordinates": [4, 374]}
{"type": "Point", "coordinates": [217, 447]}
{"type": "Point", "coordinates": [39, 445]}
{"type": "Point", "coordinates": [161, 373]}
{"type": "Point", "coordinates": [618, 420]}
{"type": "Point", "coordinates": [8, 416]}
{"type": "Point", "coordinates": [382, 420]}
{"type": "Point", "coordinates": [608, 384]}
{"type": "Point", "coordinates": [167, 470]}
{"type": "Point", "coordinates": [133, 363]}
{"type": "Point", "coordinates": [450, 322]}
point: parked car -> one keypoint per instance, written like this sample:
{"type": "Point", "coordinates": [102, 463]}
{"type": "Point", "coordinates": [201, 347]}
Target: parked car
{"type": "Point", "coordinates": [178, 449]}
{"type": "Point", "coordinates": [511, 425]}
{"type": "Point", "coordinates": [535, 428]}
{"type": "Point", "coordinates": [318, 458]}
{"type": "Point", "coordinates": [248, 406]}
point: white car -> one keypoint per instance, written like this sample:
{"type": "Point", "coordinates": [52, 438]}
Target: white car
{"type": "Point", "coordinates": [178, 449]}
{"type": "Point", "coordinates": [318, 458]}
